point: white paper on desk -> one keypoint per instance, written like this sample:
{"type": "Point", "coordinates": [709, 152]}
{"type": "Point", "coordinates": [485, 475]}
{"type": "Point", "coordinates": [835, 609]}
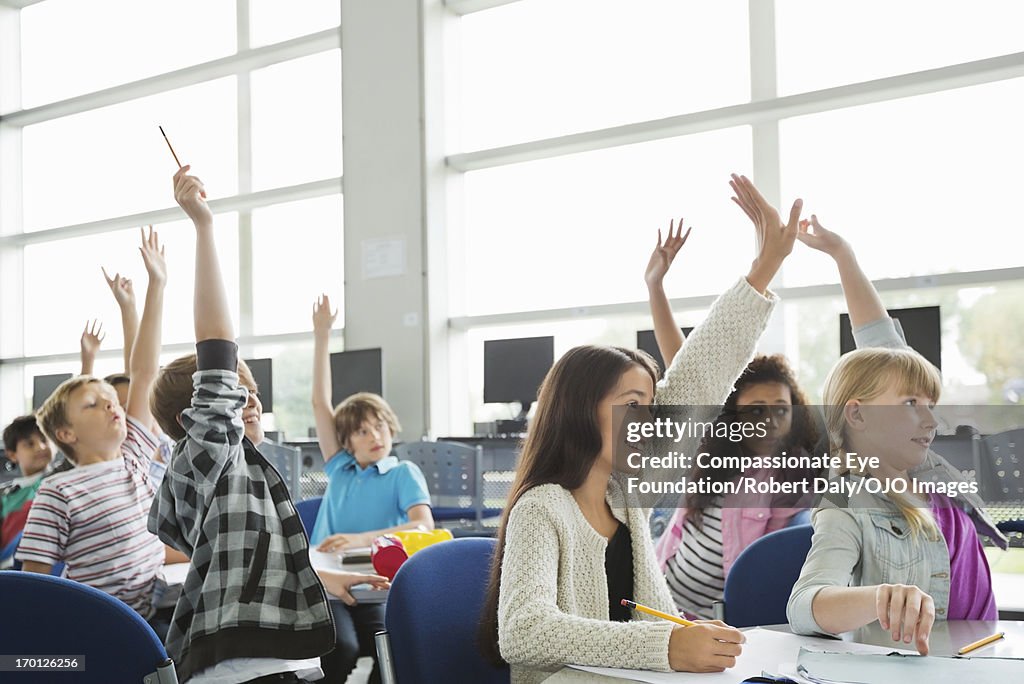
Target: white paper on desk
{"type": "Point", "coordinates": [764, 651]}
{"type": "Point", "coordinates": [843, 668]}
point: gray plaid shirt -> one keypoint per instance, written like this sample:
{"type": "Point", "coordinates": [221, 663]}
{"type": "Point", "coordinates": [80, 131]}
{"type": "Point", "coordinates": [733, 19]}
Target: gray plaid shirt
{"type": "Point", "coordinates": [250, 590]}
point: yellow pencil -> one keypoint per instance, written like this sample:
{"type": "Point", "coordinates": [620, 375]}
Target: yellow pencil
{"type": "Point", "coordinates": [981, 642]}
{"type": "Point", "coordinates": [657, 613]}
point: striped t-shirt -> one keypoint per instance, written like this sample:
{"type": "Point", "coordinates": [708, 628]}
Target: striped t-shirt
{"type": "Point", "coordinates": [695, 573]}
{"type": "Point", "coordinates": [93, 518]}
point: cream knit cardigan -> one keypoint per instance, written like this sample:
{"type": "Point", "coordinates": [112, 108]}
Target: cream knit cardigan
{"type": "Point", "coordinates": [553, 600]}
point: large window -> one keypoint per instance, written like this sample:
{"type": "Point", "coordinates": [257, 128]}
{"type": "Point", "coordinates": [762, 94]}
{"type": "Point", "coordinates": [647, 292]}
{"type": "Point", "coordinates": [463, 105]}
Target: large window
{"type": "Point", "coordinates": [84, 161]}
{"type": "Point", "coordinates": [920, 173]}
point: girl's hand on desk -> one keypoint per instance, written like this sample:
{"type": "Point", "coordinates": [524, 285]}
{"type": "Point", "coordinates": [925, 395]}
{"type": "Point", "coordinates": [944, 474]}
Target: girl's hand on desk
{"type": "Point", "coordinates": [338, 583]}
{"type": "Point", "coordinates": [907, 612]}
{"type": "Point", "coordinates": [340, 542]}
{"type": "Point", "coordinates": [708, 646]}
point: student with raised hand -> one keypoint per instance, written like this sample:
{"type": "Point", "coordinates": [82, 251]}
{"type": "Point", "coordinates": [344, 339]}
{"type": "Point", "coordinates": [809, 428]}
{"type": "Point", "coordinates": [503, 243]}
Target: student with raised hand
{"type": "Point", "coordinates": [904, 559]}
{"type": "Point", "coordinates": [708, 532]}
{"type": "Point", "coordinates": [252, 608]}
{"type": "Point", "coordinates": [107, 495]}
{"type": "Point", "coordinates": [369, 491]}
{"type": "Point", "coordinates": [571, 542]}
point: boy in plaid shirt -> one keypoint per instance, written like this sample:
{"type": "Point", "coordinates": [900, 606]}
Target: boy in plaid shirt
{"type": "Point", "coordinates": [252, 609]}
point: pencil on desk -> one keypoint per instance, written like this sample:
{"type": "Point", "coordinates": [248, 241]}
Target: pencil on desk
{"type": "Point", "coordinates": [981, 642]}
{"type": "Point", "coordinates": [169, 145]}
{"type": "Point", "coordinates": [657, 613]}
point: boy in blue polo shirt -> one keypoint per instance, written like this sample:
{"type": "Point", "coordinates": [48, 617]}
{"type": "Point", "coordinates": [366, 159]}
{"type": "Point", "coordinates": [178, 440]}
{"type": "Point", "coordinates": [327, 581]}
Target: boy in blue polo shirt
{"type": "Point", "coordinates": [369, 492]}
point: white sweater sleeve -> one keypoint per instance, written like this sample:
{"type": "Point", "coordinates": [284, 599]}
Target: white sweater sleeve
{"type": "Point", "coordinates": [534, 632]}
{"type": "Point", "coordinates": [718, 350]}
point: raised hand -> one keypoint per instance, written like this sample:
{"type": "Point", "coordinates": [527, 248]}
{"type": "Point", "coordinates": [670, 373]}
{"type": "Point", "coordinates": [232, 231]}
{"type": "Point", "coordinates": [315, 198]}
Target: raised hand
{"type": "Point", "coordinates": [190, 194]}
{"type": "Point", "coordinates": [153, 256]}
{"type": "Point", "coordinates": [92, 338]}
{"type": "Point", "coordinates": [121, 288]}
{"type": "Point", "coordinates": [664, 254]}
{"type": "Point", "coordinates": [822, 239]}
{"type": "Point", "coordinates": [323, 317]}
{"type": "Point", "coordinates": [775, 239]}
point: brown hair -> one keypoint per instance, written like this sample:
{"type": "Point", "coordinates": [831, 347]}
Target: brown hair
{"type": "Point", "coordinates": [22, 427]}
{"type": "Point", "coordinates": [803, 433]}
{"type": "Point", "coordinates": [563, 442]}
{"type": "Point", "coordinates": [53, 414]}
{"type": "Point", "coordinates": [172, 392]}
{"type": "Point", "coordinates": [355, 410]}
{"type": "Point", "coordinates": [116, 379]}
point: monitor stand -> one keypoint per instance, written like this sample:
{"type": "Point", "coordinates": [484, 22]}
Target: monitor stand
{"type": "Point", "coordinates": [517, 425]}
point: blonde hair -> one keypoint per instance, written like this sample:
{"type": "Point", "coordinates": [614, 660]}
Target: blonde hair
{"type": "Point", "coordinates": [173, 388]}
{"type": "Point", "coordinates": [53, 414]}
{"type": "Point", "coordinates": [355, 410]}
{"type": "Point", "coordinates": [866, 374]}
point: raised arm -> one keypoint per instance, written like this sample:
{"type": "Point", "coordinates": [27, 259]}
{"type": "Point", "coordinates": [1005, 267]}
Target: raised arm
{"type": "Point", "coordinates": [323, 412]}
{"type": "Point", "coordinates": [667, 334]}
{"type": "Point", "coordinates": [210, 304]}
{"type": "Point", "coordinates": [92, 338]}
{"type": "Point", "coordinates": [145, 357]}
{"type": "Point", "coordinates": [124, 295]}
{"type": "Point", "coordinates": [862, 299]}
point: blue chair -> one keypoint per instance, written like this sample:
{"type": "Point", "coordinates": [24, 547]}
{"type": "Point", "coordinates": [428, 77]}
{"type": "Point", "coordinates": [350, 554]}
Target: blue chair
{"type": "Point", "coordinates": [48, 616]}
{"type": "Point", "coordinates": [433, 613]}
{"type": "Point", "coordinates": [12, 546]}
{"type": "Point", "coordinates": [761, 579]}
{"type": "Point", "coordinates": [308, 510]}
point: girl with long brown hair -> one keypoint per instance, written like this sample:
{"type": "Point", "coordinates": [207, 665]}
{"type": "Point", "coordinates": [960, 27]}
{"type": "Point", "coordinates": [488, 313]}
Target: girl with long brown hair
{"type": "Point", "coordinates": [572, 543]}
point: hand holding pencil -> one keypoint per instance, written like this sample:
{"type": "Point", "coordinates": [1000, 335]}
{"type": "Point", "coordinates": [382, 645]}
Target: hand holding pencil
{"type": "Point", "coordinates": [698, 646]}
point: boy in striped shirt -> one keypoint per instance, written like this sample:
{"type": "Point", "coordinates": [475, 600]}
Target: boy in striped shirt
{"type": "Point", "coordinates": [93, 517]}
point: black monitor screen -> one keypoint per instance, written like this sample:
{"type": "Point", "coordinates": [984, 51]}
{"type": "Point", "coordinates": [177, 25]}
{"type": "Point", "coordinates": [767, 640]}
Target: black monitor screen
{"type": "Point", "coordinates": [514, 369]}
{"type": "Point", "coordinates": [922, 327]}
{"type": "Point", "coordinates": [356, 370]}
{"type": "Point", "coordinates": [645, 341]}
{"type": "Point", "coordinates": [263, 374]}
{"type": "Point", "coordinates": [44, 385]}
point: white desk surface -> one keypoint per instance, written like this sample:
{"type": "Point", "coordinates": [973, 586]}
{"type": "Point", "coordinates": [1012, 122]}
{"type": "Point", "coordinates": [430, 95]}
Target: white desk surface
{"type": "Point", "coordinates": [947, 637]}
{"type": "Point", "coordinates": [174, 574]}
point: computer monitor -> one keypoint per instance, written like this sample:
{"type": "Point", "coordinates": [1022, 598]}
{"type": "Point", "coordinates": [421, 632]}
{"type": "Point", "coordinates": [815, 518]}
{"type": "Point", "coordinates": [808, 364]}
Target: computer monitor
{"type": "Point", "coordinates": [921, 325]}
{"type": "Point", "coordinates": [514, 369]}
{"type": "Point", "coordinates": [356, 370]}
{"type": "Point", "coordinates": [263, 374]}
{"type": "Point", "coordinates": [44, 385]}
{"type": "Point", "coordinates": [645, 341]}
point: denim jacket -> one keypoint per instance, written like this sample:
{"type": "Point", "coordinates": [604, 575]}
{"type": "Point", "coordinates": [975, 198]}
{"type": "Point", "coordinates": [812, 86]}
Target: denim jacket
{"type": "Point", "coordinates": [864, 540]}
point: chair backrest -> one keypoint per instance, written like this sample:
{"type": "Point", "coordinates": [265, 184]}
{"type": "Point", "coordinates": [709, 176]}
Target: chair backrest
{"type": "Point", "coordinates": [47, 616]}
{"type": "Point", "coordinates": [452, 470]}
{"type": "Point", "coordinates": [1003, 463]}
{"type": "Point", "coordinates": [759, 583]}
{"type": "Point", "coordinates": [288, 461]}
{"type": "Point", "coordinates": [308, 510]}
{"type": "Point", "coordinates": [433, 613]}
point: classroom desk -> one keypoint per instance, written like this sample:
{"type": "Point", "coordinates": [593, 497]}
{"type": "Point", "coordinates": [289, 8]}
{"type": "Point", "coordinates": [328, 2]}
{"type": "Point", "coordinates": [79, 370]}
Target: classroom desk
{"type": "Point", "coordinates": [174, 576]}
{"type": "Point", "coordinates": [947, 637]}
